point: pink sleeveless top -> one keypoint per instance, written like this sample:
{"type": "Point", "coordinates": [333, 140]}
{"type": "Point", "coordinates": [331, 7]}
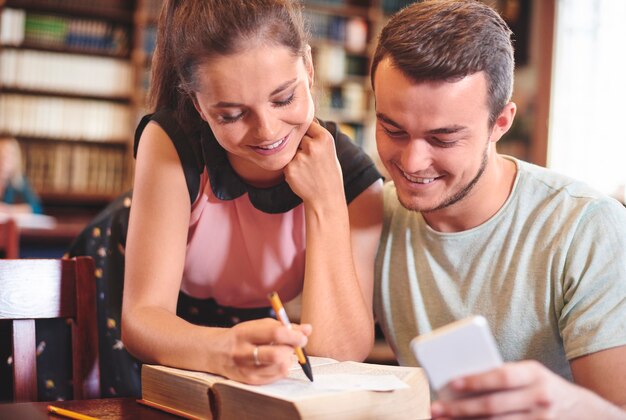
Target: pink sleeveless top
{"type": "Point", "coordinates": [245, 242]}
{"type": "Point", "coordinates": [237, 254]}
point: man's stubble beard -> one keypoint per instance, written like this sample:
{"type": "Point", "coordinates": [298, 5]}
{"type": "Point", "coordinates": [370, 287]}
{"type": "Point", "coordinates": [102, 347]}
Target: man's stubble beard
{"type": "Point", "coordinates": [459, 195]}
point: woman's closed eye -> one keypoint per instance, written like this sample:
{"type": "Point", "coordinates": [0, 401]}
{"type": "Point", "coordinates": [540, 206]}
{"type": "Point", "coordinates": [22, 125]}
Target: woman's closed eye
{"type": "Point", "coordinates": [229, 118]}
{"type": "Point", "coordinates": [285, 101]}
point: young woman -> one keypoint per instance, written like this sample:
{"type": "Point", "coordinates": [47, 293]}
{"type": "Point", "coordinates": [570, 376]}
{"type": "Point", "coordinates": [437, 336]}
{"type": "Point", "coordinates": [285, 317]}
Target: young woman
{"type": "Point", "coordinates": [240, 191]}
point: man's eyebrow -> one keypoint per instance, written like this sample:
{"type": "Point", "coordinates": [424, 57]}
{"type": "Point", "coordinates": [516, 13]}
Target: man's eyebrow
{"type": "Point", "coordinates": [387, 120]}
{"type": "Point", "coordinates": [443, 130]}
{"type": "Point", "coordinates": [279, 89]}
{"type": "Point", "coordinates": [448, 130]}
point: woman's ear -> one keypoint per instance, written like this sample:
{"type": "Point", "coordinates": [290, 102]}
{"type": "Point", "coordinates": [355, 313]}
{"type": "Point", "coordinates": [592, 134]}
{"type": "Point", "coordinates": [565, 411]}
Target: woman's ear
{"type": "Point", "coordinates": [308, 62]}
{"type": "Point", "coordinates": [197, 106]}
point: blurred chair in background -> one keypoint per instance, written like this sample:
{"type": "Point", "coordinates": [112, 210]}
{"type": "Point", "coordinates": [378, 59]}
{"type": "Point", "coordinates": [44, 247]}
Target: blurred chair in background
{"type": "Point", "coordinates": [57, 288]}
{"type": "Point", "coordinates": [9, 239]}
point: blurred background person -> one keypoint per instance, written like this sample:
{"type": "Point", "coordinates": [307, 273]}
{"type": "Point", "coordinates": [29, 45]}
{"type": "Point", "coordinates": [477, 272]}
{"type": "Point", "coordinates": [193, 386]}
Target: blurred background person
{"type": "Point", "coordinates": [15, 190]}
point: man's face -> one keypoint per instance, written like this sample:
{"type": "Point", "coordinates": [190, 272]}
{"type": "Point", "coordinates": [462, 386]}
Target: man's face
{"type": "Point", "coordinates": [433, 137]}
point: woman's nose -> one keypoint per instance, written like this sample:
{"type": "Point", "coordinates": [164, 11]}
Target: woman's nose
{"type": "Point", "coordinates": [267, 127]}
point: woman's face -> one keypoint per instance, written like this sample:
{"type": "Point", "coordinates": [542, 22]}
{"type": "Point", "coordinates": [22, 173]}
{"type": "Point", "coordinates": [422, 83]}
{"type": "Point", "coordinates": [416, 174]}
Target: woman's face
{"type": "Point", "coordinates": [258, 104]}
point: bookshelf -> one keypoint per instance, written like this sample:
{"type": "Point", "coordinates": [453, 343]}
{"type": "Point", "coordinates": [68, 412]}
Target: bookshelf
{"type": "Point", "coordinates": [146, 17]}
{"type": "Point", "coordinates": [66, 94]}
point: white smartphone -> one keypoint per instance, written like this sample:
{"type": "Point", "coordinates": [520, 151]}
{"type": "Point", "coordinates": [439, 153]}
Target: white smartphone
{"type": "Point", "coordinates": [458, 349]}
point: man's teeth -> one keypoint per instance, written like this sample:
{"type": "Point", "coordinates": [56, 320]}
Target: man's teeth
{"type": "Point", "coordinates": [417, 179]}
{"type": "Point", "coordinates": [273, 145]}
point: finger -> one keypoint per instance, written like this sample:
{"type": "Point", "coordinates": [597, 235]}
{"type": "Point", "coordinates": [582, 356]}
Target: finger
{"type": "Point", "coordinates": [506, 403]}
{"type": "Point", "coordinates": [512, 416]}
{"type": "Point", "coordinates": [270, 330]}
{"type": "Point", "coordinates": [289, 335]}
{"type": "Point", "coordinates": [508, 376]}
{"type": "Point", "coordinates": [305, 329]}
{"type": "Point", "coordinates": [273, 363]}
{"type": "Point", "coordinates": [274, 355]}
{"type": "Point", "coordinates": [316, 131]}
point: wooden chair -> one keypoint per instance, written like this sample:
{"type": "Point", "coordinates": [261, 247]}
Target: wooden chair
{"type": "Point", "coordinates": [51, 288]}
{"type": "Point", "coordinates": [9, 239]}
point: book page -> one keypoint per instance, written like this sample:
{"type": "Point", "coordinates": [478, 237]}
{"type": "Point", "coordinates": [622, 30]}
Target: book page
{"type": "Point", "coordinates": [347, 382]}
{"type": "Point", "coordinates": [331, 378]}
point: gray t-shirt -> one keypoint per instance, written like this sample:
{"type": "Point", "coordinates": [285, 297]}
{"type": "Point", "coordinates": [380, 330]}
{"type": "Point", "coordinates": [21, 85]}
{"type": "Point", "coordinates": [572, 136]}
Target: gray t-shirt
{"type": "Point", "coordinates": [548, 271]}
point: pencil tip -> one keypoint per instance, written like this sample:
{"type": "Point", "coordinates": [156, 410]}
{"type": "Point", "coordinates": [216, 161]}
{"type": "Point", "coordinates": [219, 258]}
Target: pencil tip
{"type": "Point", "coordinates": [306, 367]}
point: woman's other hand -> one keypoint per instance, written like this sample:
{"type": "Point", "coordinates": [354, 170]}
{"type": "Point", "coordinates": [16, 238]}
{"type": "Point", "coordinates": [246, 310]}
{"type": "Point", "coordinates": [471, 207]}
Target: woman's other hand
{"type": "Point", "coordinates": [314, 173]}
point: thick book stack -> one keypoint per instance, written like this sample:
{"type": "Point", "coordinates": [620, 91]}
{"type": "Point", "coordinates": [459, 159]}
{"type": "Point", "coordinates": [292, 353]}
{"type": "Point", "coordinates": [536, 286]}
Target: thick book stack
{"type": "Point", "coordinates": [341, 390]}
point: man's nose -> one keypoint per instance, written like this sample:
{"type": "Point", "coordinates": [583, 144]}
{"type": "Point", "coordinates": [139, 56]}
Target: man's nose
{"type": "Point", "coordinates": [416, 156]}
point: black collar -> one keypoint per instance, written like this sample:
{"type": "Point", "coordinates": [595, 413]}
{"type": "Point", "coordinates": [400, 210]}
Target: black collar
{"type": "Point", "coordinates": [227, 185]}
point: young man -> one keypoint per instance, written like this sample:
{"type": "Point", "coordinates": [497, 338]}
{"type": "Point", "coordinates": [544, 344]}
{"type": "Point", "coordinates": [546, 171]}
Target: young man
{"type": "Point", "coordinates": [468, 231]}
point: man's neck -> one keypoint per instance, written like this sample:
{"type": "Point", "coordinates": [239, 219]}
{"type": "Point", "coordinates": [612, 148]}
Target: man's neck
{"type": "Point", "coordinates": [483, 202]}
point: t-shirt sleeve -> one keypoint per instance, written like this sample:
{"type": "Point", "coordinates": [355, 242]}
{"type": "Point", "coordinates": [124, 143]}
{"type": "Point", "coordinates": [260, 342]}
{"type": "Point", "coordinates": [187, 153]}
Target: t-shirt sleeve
{"type": "Point", "coordinates": [359, 171]}
{"type": "Point", "coordinates": [593, 316]}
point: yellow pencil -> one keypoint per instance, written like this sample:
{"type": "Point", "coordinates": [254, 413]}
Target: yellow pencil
{"type": "Point", "coordinates": [68, 413]}
{"type": "Point", "coordinates": [303, 359]}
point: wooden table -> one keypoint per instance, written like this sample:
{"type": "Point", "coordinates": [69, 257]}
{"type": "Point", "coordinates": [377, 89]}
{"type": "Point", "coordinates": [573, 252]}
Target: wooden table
{"type": "Point", "coordinates": [108, 408]}
{"type": "Point", "coordinates": [50, 242]}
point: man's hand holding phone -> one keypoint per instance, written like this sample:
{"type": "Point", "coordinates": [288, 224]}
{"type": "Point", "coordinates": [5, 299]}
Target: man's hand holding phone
{"type": "Point", "coordinates": [462, 348]}
{"type": "Point", "coordinates": [465, 369]}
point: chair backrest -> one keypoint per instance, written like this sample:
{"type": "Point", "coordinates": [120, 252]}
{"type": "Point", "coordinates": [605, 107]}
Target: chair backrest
{"type": "Point", "coordinates": [51, 288]}
{"type": "Point", "coordinates": [9, 239]}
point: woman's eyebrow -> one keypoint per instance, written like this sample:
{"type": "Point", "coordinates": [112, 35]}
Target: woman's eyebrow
{"type": "Point", "coordinates": [279, 89]}
{"type": "Point", "coordinates": [283, 86]}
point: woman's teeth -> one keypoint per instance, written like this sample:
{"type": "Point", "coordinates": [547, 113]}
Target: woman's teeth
{"type": "Point", "coordinates": [273, 145]}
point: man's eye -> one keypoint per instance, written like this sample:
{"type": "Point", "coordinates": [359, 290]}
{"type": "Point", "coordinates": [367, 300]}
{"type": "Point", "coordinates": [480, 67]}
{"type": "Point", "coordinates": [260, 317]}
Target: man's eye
{"type": "Point", "coordinates": [393, 133]}
{"type": "Point", "coordinates": [443, 143]}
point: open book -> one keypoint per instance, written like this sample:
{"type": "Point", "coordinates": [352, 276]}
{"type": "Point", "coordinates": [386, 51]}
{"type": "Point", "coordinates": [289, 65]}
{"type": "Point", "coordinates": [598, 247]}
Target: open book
{"type": "Point", "coordinates": [341, 390]}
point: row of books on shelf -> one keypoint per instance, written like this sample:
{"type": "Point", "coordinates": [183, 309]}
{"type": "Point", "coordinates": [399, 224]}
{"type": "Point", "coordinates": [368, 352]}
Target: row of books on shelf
{"type": "Point", "coordinates": [388, 6]}
{"type": "Point", "coordinates": [100, 5]}
{"type": "Point", "coordinates": [392, 6]}
{"type": "Point", "coordinates": [65, 118]}
{"type": "Point", "coordinates": [349, 32]}
{"type": "Point", "coordinates": [348, 100]}
{"type": "Point", "coordinates": [65, 73]}
{"type": "Point", "coordinates": [334, 65]}
{"type": "Point", "coordinates": [74, 168]}
{"type": "Point", "coordinates": [19, 27]}
{"type": "Point", "coordinates": [152, 8]}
